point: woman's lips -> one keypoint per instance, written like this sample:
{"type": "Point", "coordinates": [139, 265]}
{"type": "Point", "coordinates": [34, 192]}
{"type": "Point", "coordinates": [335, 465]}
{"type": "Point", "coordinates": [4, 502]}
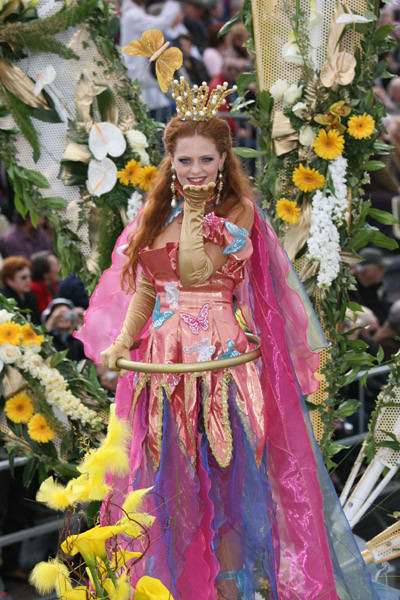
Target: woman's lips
{"type": "Point", "coordinates": [197, 181]}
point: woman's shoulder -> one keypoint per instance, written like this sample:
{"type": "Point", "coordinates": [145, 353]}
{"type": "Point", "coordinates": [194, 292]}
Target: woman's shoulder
{"type": "Point", "coordinates": [242, 214]}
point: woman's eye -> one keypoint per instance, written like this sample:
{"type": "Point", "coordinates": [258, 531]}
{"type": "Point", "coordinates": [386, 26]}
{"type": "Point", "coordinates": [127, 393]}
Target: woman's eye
{"type": "Point", "coordinates": [184, 161]}
{"type": "Point", "coordinates": [208, 159]}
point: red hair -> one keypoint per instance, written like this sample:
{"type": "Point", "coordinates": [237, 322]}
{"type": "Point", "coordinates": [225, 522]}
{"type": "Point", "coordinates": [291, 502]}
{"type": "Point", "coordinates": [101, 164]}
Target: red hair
{"type": "Point", "coordinates": [12, 265]}
{"type": "Point", "coordinates": [236, 186]}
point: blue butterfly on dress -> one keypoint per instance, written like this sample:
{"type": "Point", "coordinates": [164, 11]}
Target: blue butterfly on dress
{"type": "Point", "coordinates": [240, 234]}
{"type": "Point", "coordinates": [230, 352]}
{"type": "Point", "coordinates": [174, 213]}
{"type": "Point", "coordinates": [172, 294]}
{"type": "Point", "coordinates": [159, 317]}
{"type": "Point", "coordinates": [203, 348]}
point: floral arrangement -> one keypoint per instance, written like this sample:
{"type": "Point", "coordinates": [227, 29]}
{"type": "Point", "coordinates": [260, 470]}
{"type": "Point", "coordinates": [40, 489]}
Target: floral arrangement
{"type": "Point", "coordinates": [103, 136]}
{"type": "Point", "coordinates": [320, 136]}
{"type": "Point", "coordinates": [108, 553]}
{"type": "Point", "coordinates": [50, 411]}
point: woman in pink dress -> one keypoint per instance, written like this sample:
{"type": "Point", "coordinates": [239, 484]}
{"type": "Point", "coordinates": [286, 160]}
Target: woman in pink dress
{"type": "Point", "coordinates": [242, 498]}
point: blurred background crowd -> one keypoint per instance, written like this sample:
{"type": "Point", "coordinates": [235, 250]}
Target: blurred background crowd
{"type": "Point", "coordinates": [30, 269]}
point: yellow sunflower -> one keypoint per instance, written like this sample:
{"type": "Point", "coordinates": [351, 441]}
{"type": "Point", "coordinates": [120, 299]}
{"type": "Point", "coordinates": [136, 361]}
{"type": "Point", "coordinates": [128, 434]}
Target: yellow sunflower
{"type": "Point", "coordinates": [328, 144]}
{"type": "Point", "coordinates": [361, 126]}
{"type": "Point", "coordinates": [19, 408]}
{"type": "Point", "coordinates": [146, 177]}
{"type": "Point", "coordinates": [307, 180]}
{"type": "Point", "coordinates": [39, 430]}
{"type": "Point", "coordinates": [10, 333]}
{"type": "Point", "coordinates": [288, 211]}
{"type": "Point", "coordinates": [28, 335]}
{"type": "Point", "coordinates": [129, 174]}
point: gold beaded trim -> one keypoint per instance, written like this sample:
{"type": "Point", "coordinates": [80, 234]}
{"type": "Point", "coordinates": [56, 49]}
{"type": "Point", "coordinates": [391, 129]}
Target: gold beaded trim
{"type": "Point", "coordinates": [197, 103]}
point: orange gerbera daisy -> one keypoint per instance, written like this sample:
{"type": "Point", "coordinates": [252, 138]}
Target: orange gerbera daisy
{"type": "Point", "coordinates": [361, 126]}
{"type": "Point", "coordinates": [328, 144]}
{"type": "Point", "coordinates": [129, 174]}
{"type": "Point", "coordinates": [146, 177]}
{"type": "Point", "coordinates": [10, 333]}
{"type": "Point", "coordinates": [19, 408]}
{"type": "Point", "coordinates": [307, 180]}
{"type": "Point", "coordinates": [28, 335]}
{"type": "Point", "coordinates": [39, 430]}
{"type": "Point", "coordinates": [288, 211]}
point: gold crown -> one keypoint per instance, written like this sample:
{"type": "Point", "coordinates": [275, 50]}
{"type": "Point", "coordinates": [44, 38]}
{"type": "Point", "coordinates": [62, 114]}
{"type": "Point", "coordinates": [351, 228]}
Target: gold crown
{"type": "Point", "coordinates": [196, 103]}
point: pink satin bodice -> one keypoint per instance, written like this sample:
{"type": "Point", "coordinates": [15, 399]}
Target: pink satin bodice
{"type": "Point", "coordinates": [193, 325]}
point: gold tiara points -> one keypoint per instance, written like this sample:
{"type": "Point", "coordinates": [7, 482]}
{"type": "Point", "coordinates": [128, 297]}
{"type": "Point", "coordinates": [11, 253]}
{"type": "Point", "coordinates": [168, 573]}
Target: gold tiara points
{"type": "Point", "coordinates": [197, 103]}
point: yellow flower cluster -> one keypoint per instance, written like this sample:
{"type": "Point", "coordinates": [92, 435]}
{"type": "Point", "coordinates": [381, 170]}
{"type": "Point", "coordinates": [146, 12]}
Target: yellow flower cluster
{"type": "Point", "coordinates": [288, 211]}
{"type": "Point", "coordinates": [108, 570]}
{"type": "Point", "coordinates": [16, 334]}
{"type": "Point", "coordinates": [134, 174]}
{"type": "Point", "coordinates": [20, 409]}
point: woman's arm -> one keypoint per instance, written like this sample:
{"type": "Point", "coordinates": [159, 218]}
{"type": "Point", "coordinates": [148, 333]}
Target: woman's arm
{"type": "Point", "coordinates": [140, 308]}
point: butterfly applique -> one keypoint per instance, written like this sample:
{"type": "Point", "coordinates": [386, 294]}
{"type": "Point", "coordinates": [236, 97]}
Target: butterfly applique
{"type": "Point", "coordinates": [159, 317]}
{"type": "Point", "coordinates": [152, 45]}
{"type": "Point", "coordinates": [173, 378]}
{"type": "Point", "coordinates": [195, 322]}
{"type": "Point", "coordinates": [172, 294]}
{"type": "Point", "coordinates": [230, 352]}
{"type": "Point", "coordinates": [240, 234]}
{"type": "Point", "coordinates": [203, 348]}
{"type": "Point", "coordinates": [212, 221]}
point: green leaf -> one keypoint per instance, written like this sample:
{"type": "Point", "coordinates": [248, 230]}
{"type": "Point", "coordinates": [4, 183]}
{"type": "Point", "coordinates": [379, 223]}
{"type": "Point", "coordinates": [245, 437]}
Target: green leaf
{"type": "Point", "coordinates": [91, 511]}
{"type": "Point", "coordinates": [361, 239]}
{"type": "Point", "coordinates": [245, 79]}
{"type": "Point", "coordinates": [21, 208]}
{"type": "Point", "coordinates": [113, 28]}
{"type": "Point", "coordinates": [382, 32]}
{"type": "Point", "coordinates": [383, 241]}
{"type": "Point", "coordinates": [229, 24]}
{"type": "Point", "coordinates": [34, 217]}
{"type": "Point", "coordinates": [29, 471]}
{"type": "Point", "coordinates": [57, 357]}
{"type": "Point", "coordinates": [382, 216]}
{"type": "Point", "coordinates": [37, 178]}
{"type": "Point", "coordinates": [108, 106]}
{"type": "Point", "coordinates": [47, 116]}
{"type": "Point", "coordinates": [248, 152]}
{"type": "Point", "coordinates": [373, 165]}
{"type": "Point", "coordinates": [346, 408]}
{"type": "Point", "coordinates": [55, 203]}
{"type": "Point", "coordinates": [387, 75]}
{"type": "Point", "coordinates": [380, 355]}
{"type": "Point", "coordinates": [382, 148]}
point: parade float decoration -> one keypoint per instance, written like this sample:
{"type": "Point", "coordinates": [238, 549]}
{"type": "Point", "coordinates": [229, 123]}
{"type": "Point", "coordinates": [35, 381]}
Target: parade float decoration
{"type": "Point", "coordinates": [74, 135]}
{"type": "Point", "coordinates": [320, 135]}
{"type": "Point", "coordinates": [51, 411]}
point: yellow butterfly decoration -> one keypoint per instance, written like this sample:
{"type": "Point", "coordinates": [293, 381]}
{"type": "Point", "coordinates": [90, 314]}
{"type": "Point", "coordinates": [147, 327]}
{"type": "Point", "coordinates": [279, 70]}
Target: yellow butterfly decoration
{"type": "Point", "coordinates": [167, 59]}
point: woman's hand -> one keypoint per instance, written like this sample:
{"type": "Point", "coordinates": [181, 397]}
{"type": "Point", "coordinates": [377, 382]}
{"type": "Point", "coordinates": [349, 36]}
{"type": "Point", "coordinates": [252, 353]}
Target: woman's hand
{"type": "Point", "coordinates": [110, 355]}
{"type": "Point", "coordinates": [198, 195]}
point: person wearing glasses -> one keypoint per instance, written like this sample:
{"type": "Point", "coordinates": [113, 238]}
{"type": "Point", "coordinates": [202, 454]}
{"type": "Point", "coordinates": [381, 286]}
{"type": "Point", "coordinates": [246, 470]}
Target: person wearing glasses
{"type": "Point", "coordinates": [16, 276]}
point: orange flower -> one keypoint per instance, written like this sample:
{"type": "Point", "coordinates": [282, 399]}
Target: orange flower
{"type": "Point", "coordinates": [28, 335]}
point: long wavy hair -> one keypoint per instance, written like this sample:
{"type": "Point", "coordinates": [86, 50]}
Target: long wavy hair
{"type": "Point", "coordinates": [236, 186]}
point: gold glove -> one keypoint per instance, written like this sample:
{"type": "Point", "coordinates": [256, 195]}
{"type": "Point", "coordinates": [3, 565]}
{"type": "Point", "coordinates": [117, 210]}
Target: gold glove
{"type": "Point", "coordinates": [195, 266]}
{"type": "Point", "coordinates": [139, 311]}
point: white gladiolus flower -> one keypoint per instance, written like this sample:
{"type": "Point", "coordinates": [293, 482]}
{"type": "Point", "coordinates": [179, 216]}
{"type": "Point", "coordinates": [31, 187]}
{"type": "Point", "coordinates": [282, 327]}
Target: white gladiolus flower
{"type": "Point", "coordinates": [106, 138]}
{"type": "Point", "coordinates": [278, 89]}
{"type": "Point", "coordinates": [102, 176]}
{"type": "Point", "coordinates": [299, 109]}
{"type": "Point", "coordinates": [9, 353]}
{"type": "Point", "coordinates": [5, 316]}
{"type": "Point", "coordinates": [45, 77]}
{"type": "Point", "coordinates": [135, 203]}
{"type": "Point", "coordinates": [136, 140]}
{"type": "Point", "coordinates": [292, 94]}
{"type": "Point", "coordinates": [307, 136]}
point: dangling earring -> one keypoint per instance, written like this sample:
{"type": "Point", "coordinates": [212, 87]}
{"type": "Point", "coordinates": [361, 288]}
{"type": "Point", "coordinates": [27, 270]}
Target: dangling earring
{"type": "Point", "coordinates": [173, 188]}
{"type": "Point", "coordinates": [220, 184]}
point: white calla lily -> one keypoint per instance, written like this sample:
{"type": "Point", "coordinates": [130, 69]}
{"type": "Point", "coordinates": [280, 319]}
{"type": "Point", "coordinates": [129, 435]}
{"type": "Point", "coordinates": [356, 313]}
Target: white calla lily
{"type": "Point", "coordinates": [350, 17]}
{"type": "Point", "coordinates": [106, 138]}
{"type": "Point", "coordinates": [291, 51]}
{"type": "Point", "coordinates": [45, 77]}
{"type": "Point", "coordinates": [102, 176]}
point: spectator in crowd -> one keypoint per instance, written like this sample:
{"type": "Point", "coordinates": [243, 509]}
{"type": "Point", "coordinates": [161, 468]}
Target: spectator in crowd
{"type": "Point", "coordinates": [192, 68]}
{"type": "Point", "coordinates": [394, 95]}
{"type": "Point", "coordinates": [62, 318]}
{"type": "Point", "coordinates": [193, 19]}
{"type": "Point", "coordinates": [216, 13]}
{"type": "Point", "coordinates": [389, 333]}
{"type": "Point", "coordinates": [134, 21]}
{"type": "Point", "coordinates": [16, 277]}
{"type": "Point", "coordinates": [73, 289]}
{"type": "Point", "coordinates": [370, 290]}
{"type": "Point", "coordinates": [239, 36]}
{"type": "Point", "coordinates": [213, 56]}
{"type": "Point", "coordinates": [23, 239]}
{"type": "Point", "coordinates": [45, 267]}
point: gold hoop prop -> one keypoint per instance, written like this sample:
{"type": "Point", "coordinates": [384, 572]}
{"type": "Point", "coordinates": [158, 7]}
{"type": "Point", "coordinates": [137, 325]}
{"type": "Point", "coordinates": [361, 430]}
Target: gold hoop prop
{"type": "Point", "coordinates": [196, 367]}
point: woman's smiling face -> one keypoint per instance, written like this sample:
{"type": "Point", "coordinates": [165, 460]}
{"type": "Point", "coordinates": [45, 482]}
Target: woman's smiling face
{"type": "Point", "coordinates": [196, 160]}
